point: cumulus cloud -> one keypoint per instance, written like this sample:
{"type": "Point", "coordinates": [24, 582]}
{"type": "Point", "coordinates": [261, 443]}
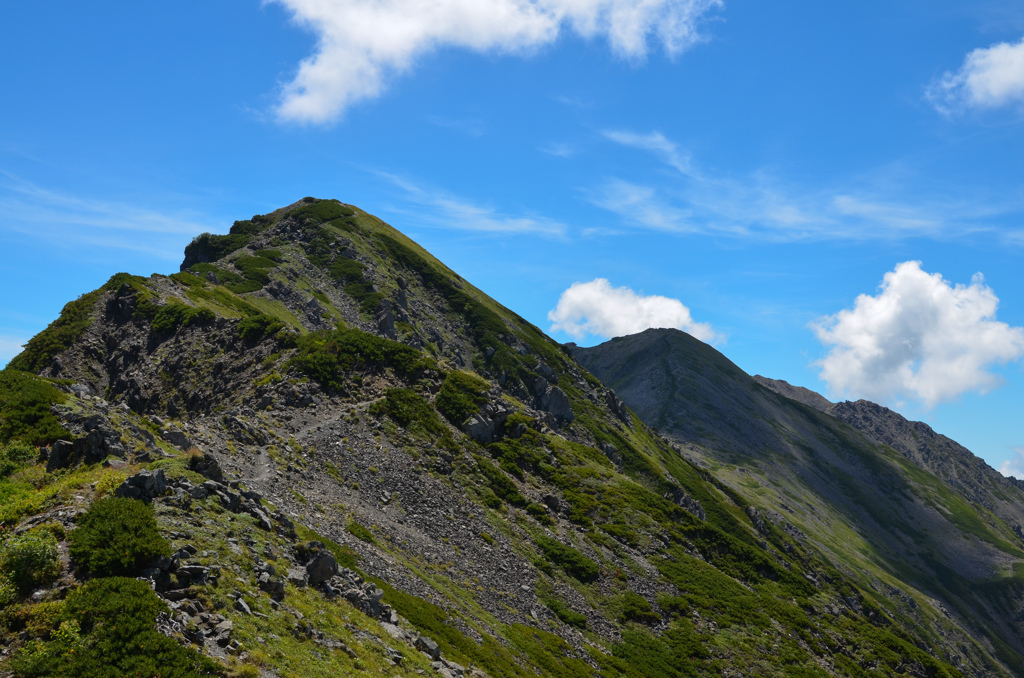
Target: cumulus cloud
{"type": "Point", "coordinates": [597, 308]}
{"type": "Point", "coordinates": [990, 77]}
{"type": "Point", "coordinates": [362, 43]}
{"type": "Point", "coordinates": [1015, 465]}
{"type": "Point", "coordinates": [920, 337]}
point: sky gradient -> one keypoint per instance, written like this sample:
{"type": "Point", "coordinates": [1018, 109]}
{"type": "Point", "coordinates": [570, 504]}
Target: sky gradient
{"type": "Point", "coordinates": [831, 195]}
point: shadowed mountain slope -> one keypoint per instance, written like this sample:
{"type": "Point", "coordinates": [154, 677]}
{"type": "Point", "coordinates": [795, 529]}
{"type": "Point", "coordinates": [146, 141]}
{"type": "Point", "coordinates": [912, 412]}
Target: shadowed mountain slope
{"type": "Point", "coordinates": [898, 505]}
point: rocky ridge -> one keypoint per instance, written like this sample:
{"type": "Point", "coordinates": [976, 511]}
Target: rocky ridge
{"type": "Point", "coordinates": [509, 508]}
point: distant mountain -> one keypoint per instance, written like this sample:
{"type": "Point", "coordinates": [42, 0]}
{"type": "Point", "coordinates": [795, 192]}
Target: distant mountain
{"type": "Point", "coordinates": [903, 509]}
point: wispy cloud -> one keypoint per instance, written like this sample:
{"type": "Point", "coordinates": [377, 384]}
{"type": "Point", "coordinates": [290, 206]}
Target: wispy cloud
{"type": "Point", "coordinates": [656, 143]}
{"type": "Point", "coordinates": [990, 77]}
{"type": "Point", "coordinates": [437, 209]}
{"type": "Point", "coordinates": [363, 44]}
{"type": "Point", "coordinates": [65, 220]}
{"type": "Point", "coordinates": [561, 150]}
{"type": "Point", "coordinates": [763, 206]}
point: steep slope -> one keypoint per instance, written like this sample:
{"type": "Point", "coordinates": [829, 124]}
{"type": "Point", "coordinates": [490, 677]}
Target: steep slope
{"type": "Point", "coordinates": [923, 518]}
{"type": "Point", "coordinates": [966, 474]}
{"type": "Point", "coordinates": [361, 463]}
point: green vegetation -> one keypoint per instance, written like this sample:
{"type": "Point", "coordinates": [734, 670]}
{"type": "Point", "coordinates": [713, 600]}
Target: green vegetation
{"type": "Point", "coordinates": [106, 628]}
{"type": "Point", "coordinates": [360, 532]}
{"type": "Point", "coordinates": [116, 537]}
{"type": "Point", "coordinates": [411, 411]}
{"type": "Point", "coordinates": [254, 271]}
{"type": "Point", "coordinates": [565, 613]}
{"type": "Point", "coordinates": [319, 211]}
{"type": "Point", "coordinates": [257, 326]}
{"type": "Point", "coordinates": [328, 357]}
{"type": "Point", "coordinates": [29, 560]}
{"type": "Point", "coordinates": [25, 415]}
{"type": "Point", "coordinates": [175, 314]}
{"type": "Point", "coordinates": [635, 608]}
{"type": "Point", "coordinates": [462, 394]}
{"type": "Point", "coordinates": [574, 563]}
{"type": "Point", "coordinates": [208, 247]}
{"type": "Point", "coordinates": [40, 350]}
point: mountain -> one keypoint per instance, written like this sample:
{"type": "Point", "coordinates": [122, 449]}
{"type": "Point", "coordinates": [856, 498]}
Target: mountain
{"type": "Point", "coordinates": [897, 507]}
{"type": "Point", "coordinates": [325, 453]}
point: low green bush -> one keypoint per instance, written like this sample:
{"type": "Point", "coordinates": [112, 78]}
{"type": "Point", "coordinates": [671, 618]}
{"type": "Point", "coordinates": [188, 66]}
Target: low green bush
{"type": "Point", "coordinates": [106, 629]}
{"type": "Point", "coordinates": [500, 484]}
{"type": "Point", "coordinates": [25, 414]}
{"type": "Point", "coordinates": [30, 560]}
{"type": "Point", "coordinates": [175, 314]}
{"type": "Point", "coordinates": [207, 247]}
{"type": "Point", "coordinates": [257, 326]}
{"type": "Point", "coordinates": [636, 608]}
{"type": "Point", "coordinates": [320, 211]}
{"type": "Point", "coordinates": [566, 614]}
{"type": "Point", "coordinates": [116, 537]}
{"type": "Point", "coordinates": [574, 563]}
{"type": "Point", "coordinates": [462, 394]}
{"type": "Point", "coordinates": [328, 357]}
{"type": "Point", "coordinates": [15, 456]}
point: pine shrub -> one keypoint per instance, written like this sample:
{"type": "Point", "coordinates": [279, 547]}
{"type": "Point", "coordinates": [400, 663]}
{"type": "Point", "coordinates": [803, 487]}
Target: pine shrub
{"type": "Point", "coordinates": [116, 537]}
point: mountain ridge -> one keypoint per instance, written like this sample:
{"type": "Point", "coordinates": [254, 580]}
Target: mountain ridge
{"type": "Point", "coordinates": [401, 476]}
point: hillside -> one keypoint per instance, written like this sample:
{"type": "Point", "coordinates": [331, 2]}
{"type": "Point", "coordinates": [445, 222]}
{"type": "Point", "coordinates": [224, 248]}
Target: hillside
{"type": "Point", "coordinates": [895, 505]}
{"type": "Point", "coordinates": [328, 454]}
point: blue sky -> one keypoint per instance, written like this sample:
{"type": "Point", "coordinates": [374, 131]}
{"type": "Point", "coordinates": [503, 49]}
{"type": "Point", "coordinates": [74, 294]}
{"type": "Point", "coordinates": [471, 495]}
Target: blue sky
{"type": "Point", "coordinates": [742, 170]}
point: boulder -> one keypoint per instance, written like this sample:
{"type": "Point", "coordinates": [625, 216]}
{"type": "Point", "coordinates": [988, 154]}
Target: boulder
{"type": "Point", "coordinates": [321, 567]}
{"type": "Point", "coordinates": [206, 465]}
{"type": "Point", "coordinates": [145, 485]}
{"type": "Point", "coordinates": [428, 647]}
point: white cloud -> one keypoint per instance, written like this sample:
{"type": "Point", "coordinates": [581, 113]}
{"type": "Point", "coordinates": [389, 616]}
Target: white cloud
{"type": "Point", "coordinates": [919, 337]}
{"type": "Point", "coordinates": [364, 43]}
{"type": "Point", "coordinates": [597, 308]}
{"type": "Point", "coordinates": [990, 77]}
{"type": "Point", "coordinates": [656, 143]}
{"type": "Point", "coordinates": [9, 347]}
{"type": "Point", "coordinates": [1015, 465]}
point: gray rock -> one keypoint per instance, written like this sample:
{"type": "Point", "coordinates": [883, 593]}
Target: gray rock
{"type": "Point", "coordinates": [428, 647]}
{"type": "Point", "coordinates": [146, 485]}
{"type": "Point", "coordinates": [207, 465]}
{"type": "Point", "coordinates": [480, 428]}
{"type": "Point", "coordinates": [321, 567]}
{"type": "Point", "coordinates": [176, 438]}
{"type": "Point", "coordinates": [297, 577]}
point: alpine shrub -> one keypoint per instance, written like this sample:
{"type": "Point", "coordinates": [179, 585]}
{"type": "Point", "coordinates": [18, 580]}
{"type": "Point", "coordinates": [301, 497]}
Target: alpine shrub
{"type": "Point", "coordinates": [30, 560]}
{"type": "Point", "coordinates": [116, 537]}
{"type": "Point", "coordinates": [25, 414]}
{"type": "Point", "coordinates": [569, 559]}
{"type": "Point", "coordinates": [107, 628]}
{"type": "Point", "coordinates": [462, 394]}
